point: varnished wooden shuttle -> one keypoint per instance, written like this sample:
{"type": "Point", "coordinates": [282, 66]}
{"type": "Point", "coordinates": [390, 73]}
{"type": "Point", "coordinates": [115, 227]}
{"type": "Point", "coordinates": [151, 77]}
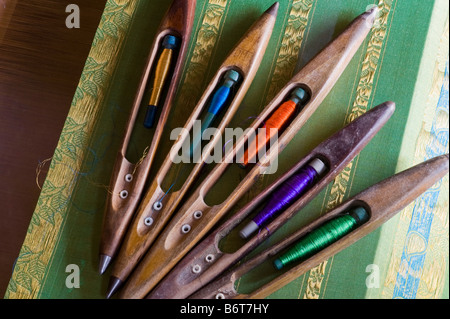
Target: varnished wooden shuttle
{"type": "Point", "coordinates": [158, 204]}
{"type": "Point", "coordinates": [128, 179]}
{"type": "Point", "coordinates": [382, 201]}
{"type": "Point", "coordinates": [207, 261]}
{"type": "Point", "coordinates": [317, 78]}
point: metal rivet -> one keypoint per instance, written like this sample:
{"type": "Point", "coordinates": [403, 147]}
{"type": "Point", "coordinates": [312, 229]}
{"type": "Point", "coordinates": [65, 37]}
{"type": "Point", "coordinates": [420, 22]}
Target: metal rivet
{"type": "Point", "coordinates": [196, 269]}
{"type": "Point", "coordinates": [157, 205]}
{"type": "Point", "coordinates": [124, 194]}
{"type": "Point", "coordinates": [220, 296]}
{"type": "Point", "coordinates": [128, 177]}
{"type": "Point", "coordinates": [198, 214]}
{"type": "Point", "coordinates": [148, 221]}
{"type": "Point", "coordinates": [186, 228]}
{"type": "Point", "coordinates": [209, 258]}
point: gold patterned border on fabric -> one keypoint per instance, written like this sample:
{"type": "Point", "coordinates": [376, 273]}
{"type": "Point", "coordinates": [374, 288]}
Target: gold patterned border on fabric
{"type": "Point", "coordinates": [65, 168]}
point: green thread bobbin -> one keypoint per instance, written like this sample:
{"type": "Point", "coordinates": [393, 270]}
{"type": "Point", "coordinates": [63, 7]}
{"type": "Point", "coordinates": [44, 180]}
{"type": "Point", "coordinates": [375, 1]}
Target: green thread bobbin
{"type": "Point", "coordinates": [323, 236]}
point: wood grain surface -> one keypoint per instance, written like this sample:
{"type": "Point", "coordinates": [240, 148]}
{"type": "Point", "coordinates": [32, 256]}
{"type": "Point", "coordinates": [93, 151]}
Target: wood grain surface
{"type": "Point", "coordinates": [41, 61]}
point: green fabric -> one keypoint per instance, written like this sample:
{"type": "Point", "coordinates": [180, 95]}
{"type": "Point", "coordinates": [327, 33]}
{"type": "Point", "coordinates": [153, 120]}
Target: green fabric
{"type": "Point", "coordinates": [65, 228]}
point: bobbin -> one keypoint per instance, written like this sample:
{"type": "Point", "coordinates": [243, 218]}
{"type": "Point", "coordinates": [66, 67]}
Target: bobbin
{"type": "Point", "coordinates": [318, 167]}
{"type": "Point", "coordinates": [323, 236]}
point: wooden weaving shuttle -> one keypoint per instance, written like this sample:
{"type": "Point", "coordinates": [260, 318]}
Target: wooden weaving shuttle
{"type": "Point", "coordinates": [158, 204]}
{"type": "Point", "coordinates": [207, 261]}
{"type": "Point", "coordinates": [195, 218]}
{"type": "Point", "coordinates": [128, 179]}
{"type": "Point", "coordinates": [381, 201]}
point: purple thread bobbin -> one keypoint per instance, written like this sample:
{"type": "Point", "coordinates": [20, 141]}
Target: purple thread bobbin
{"type": "Point", "coordinates": [285, 195]}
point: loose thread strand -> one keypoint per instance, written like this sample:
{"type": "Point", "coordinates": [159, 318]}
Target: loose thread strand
{"type": "Point", "coordinates": [144, 155]}
{"type": "Point", "coordinates": [39, 170]}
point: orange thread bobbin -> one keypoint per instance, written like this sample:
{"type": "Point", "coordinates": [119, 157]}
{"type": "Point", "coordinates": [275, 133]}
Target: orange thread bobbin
{"type": "Point", "coordinates": [275, 123]}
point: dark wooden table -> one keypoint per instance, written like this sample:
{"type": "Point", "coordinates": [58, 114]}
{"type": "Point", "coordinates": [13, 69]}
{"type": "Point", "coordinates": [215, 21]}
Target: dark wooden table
{"type": "Point", "coordinates": [41, 61]}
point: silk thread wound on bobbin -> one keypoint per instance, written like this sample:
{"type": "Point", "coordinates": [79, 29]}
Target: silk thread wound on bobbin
{"type": "Point", "coordinates": [323, 236]}
{"type": "Point", "coordinates": [285, 195]}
